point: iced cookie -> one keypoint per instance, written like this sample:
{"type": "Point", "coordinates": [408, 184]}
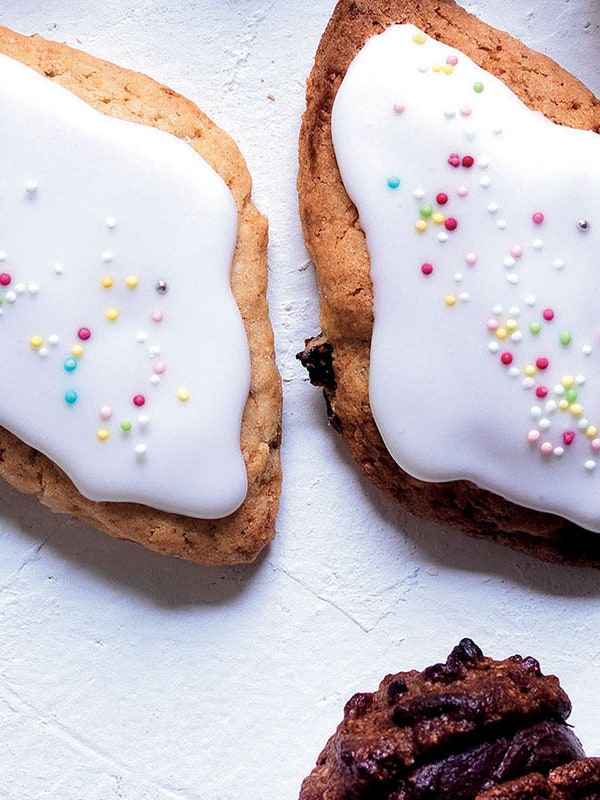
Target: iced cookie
{"type": "Point", "coordinates": [140, 389]}
{"type": "Point", "coordinates": [453, 730]}
{"type": "Point", "coordinates": [455, 232]}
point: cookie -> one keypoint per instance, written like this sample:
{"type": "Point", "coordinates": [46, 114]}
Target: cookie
{"type": "Point", "coordinates": [455, 729]}
{"type": "Point", "coordinates": [458, 351]}
{"type": "Point", "coordinates": [578, 779]}
{"type": "Point", "coordinates": [144, 396]}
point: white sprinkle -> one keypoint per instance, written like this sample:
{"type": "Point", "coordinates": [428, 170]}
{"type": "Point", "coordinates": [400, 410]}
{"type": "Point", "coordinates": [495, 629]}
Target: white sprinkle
{"type": "Point", "coordinates": [559, 451]}
{"type": "Point", "coordinates": [501, 224]}
{"type": "Point", "coordinates": [516, 336]}
{"type": "Point", "coordinates": [464, 297]}
{"type": "Point", "coordinates": [419, 193]}
{"type": "Point", "coordinates": [580, 380]}
{"type": "Point", "coordinates": [53, 339]}
{"type": "Point", "coordinates": [509, 261]}
{"type": "Point", "coordinates": [423, 68]}
{"type": "Point", "coordinates": [483, 162]}
{"type": "Point", "coordinates": [144, 420]}
{"type": "Point", "coordinates": [550, 407]}
{"type": "Point", "coordinates": [536, 412]}
{"type": "Point", "coordinates": [559, 390]}
{"type": "Point", "coordinates": [514, 311]}
{"type": "Point", "coordinates": [10, 297]}
{"type": "Point", "coordinates": [442, 237]}
{"type": "Point", "coordinates": [586, 349]}
{"type": "Point", "coordinates": [544, 423]}
{"type": "Point", "coordinates": [590, 465]}
{"type": "Point", "coordinates": [528, 383]}
{"type": "Point", "coordinates": [470, 132]}
{"type": "Point", "coordinates": [111, 222]}
{"type": "Point", "coordinates": [31, 187]}
{"type": "Point", "coordinates": [107, 256]}
{"type": "Point", "coordinates": [449, 113]}
{"type": "Point", "coordinates": [530, 300]}
{"type": "Point", "coordinates": [514, 372]}
{"type": "Point", "coordinates": [512, 278]}
{"type": "Point", "coordinates": [33, 288]}
{"type": "Point", "coordinates": [3, 255]}
{"type": "Point", "coordinates": [485, 181]}
{"type": "Point", "coordinates": [141, 336]}
{"type": "Point", "coordinates": [493, 347]}
{"type": "Point", "coordinates": [58, 268]}
{"type": "Point", "coordinates": [537, 244]}
{"type": "Point", "coordinates": [140, 450]}
{"type": "Point", "coordinates": [43, 352]}
{"type": "Point", "coordinates": [558, 263]}
{"type": "Point", "coordinates": [155, 379]}
{"type": "Point", "coordinates": [583, 424]}
{"type": "Point", "coordinates": [492, 208]}
{"type": "Point", "coordinates": [20, 288]}
{"type": "Point", "coordinates": [154, 350]}
{"type": "Point", "coordinates": [497, 309]}
{"type": "Point", "coordinates": [458, 276]}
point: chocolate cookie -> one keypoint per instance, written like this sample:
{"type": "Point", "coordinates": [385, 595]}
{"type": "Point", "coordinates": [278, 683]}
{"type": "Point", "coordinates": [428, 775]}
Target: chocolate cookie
{"type": "Point", "coordinates": [453, 730]}
{"type": "Point", "coordinates": [141, 392]}
{"type": "Point", "coordinates": [455, 355]}
{"type": "Point", "coordinates": [578, 780]}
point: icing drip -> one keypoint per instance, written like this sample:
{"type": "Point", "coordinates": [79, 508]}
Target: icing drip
{"type": "Point", "coordinates": [124, 355]}
{"type": "Point", "coordinates": [482, 222]}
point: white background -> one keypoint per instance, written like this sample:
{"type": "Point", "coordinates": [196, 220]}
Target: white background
{"type": "Point", "coordinates": [127, 674]}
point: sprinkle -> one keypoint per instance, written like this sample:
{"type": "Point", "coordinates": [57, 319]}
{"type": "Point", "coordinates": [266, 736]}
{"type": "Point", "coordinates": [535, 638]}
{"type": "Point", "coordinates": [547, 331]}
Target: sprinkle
{"type": "Point", "coordinates": [111, 222]}
{"type": "Point", "coordinates": [58, 268]}
{"type": "Point", "coordinates": [36, 341]}
{"type": "Point", "coordinates": [141, 337]}
{"type": "Point", "coordinates": [458, 277]}
{"type": "Point", "coordinates": [501, 332]}
{"type": "Point", "coordinates": [576, 409]}
{"type": "Point", "coordinates": [5, 279]}
{"type": "Point", "coordinates": [509, 261]}
{"type": "Point", "coordinates": [105, 412]}
{"type": "Point", "coordinates": [493, 347]}
{"type": "Point", "coordinates": [568, 437]}
{"type": "Point", "coordinates": [485, 181]}
{"type": "Point", "coordinates": [551, 407]}
{"type": "Point", "coordinates": [583, 224]}
{"type": "Point", "coordinates": [420, 225]}
{"type": "Point", "coordinates": [161, 286]}
{"type": "Point", "coordinates": [537, 217]}
{"type": "Point", "coordinates": [140, 450]}
{"type": "Point", "coordinates": [102, 434]}
{"type": "Point", "coordinates": [418, 194]}
{"type": "Point", "coordinates": [558, 263]}
{"type": "Point", "coordinates": [506, 358]}
{"type": "Point", "coordinates": [452, 60]}
{"type": "Point", "coordinates": [111, 314]}
{"type": "Point", "coordinates": [449, 113]}
{"type": "Point", "coordinates": [53, 339]}
{"type": "Point", "coordinates": [462, 191]}
{"type": "Point", "coordinates": [466, 111]}
{"type": "Point", "coordinates": [595, 444]}
{"type": "Point", "coordinates": [155, 380]}
{"type": "Point", "coordinates": [436, 68]}
{"type": "Point", "coordinates": [579, 380]}
{"type": "Point", "coordinates": [542, 362]}
{"type": "Point", "coordinates": [154, 350]}
{"type": "Point", "coordinates": [528, 383]}
{"type": "Point", "coordinates": [426, 268]}
{"type": "Point", "coordinates": [84, 334]}
{"type": "Point", "coordinates": [70, 396]}
{"type": "Point", "coordinates": [450, 224]}
{"type": "Point", "coordinates": [470, 259]}
{"type": "Point", "coordinates": [548, 314]}
{"type": "Point", "coordinates": [125, 425]}
{"type": "Point", "coordinates": [565, 338]}
{"type": "Point", "coordinates": [590, 465]}
{"type": "Point", "coordinates": [450, 299]}
{"type": "Point", "coordinates": [107, 282]}
{"type": "Point", "coordinates": [478, 87]}
{"type": "Point", "coordinates": [442, 236]}
{"type": "Point", "coordinates": [77, 351]}
{"type": "Point", "coordinates": [535, 327]}
{"type": "Point", "coordinates": [454, 160]}
{"type": "Point", "coordinates": [571, 395]}
{"type": "Point", "coordinates": [501, 224]}
{"type": "Point", "coordinates": [3, 255]}
{"type": "Point", "coordinates": [558, 451]}
{"type": "Point", "coordinates": [567, 381]}
{"type": "Point", "coordinates": [160, 369]}
{"type": "Point", "coordinates": [541, 392]}
{"type": "Point", "coordinates": [157, 316]}
{"type": "Point", "coordinates": [538, 244]}
{"type": "Point", "coordinates": [33, 288]}
{"type": "Point", "coordinates": [530, 300]}
{"type": "Point", "coordinates": [10, 297]}
{"type": "Point", "coordinates": [425, 210]}
{"type": "Point", "coordinates": [536, 412]}
{"type": "Point", "coordinates": [529, 370]}
{"type": "Point", "coordinates": [441, 198]}
{"type": "Point", "coordinates": [512, 324]}
{"type": "Point", "coordinates": [419, 38]}
{"type": "Point", "coordinates": [516, 251]}
{"type": "Point", "coordinates": [547, 448]}
{"type": "Point", "coordinates": [586, 350]}
{"type": "Point", "coordinates": [107, 256]}
{"type": "Point", "coordinates": [591, 431]}
{"type": "Point", "coordinates": [544, 424]}
{"type": "Point", "coordinates": [533, 436]}
{"type": "Point", "coordinates": [399, 108]}
{"type": "Point", "coordinates": [20, 288]}
{"type": "Point", "coordinates": [132, 281]}
{"type": "Point", "coordinates": [468, 161]}
{"type": "Point", "coordinates": [139, 400]}
{"type": "Point", "coordinates": [69, 364]}
{"type": "Point", "coordinates": [31, 186]}
{"type": "Point", "coordinates": [437, 217]}
{"type": "Point", "coordinates": [183, 394]}
{"type": "Point", "coordinates": [492, 208]}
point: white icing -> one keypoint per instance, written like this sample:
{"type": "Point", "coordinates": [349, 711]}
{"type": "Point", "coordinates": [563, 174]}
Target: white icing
{"type": "Point", "coordinates": [447, 405]}
{"type": "Point", "coordinates": [82, 197]}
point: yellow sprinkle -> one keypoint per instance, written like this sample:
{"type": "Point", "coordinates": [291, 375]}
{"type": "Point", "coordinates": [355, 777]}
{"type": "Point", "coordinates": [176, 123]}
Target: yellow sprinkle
{"type": "Point", "coordinates": [530, 370]}
{"type": "Point", "coordinates": [77, 350]}
{"type": "Point", "coordinates": [512, 325]}
{"type": "Point", "coordinates": [567, 381]}
{"type": "Point", "coordinates": [576, 409]}
{"type": "Point", "coordinates": [36, 341]}
{"type": "Point", "coordinates": [419, 38]}
{"type": "Point", "coordinates": [436, 68]}
{"type": "Point", "coordinates": [501, 333]}
{"type": "Point", "coordinates": [450, 299]}
{"type": "Point", "coordinates": [563, 404]}
{"type": "Point", "coordinates": [111, 314]}
{"type": "Point", "coordinates": [591, 431]}
{"type": "Point", "coordinates": [420, 225]}
{"type": "Point", "coordinates": [437, 217]}
{"type": "Point", "coordinates": [448, 69]}
{"type": "Point", "coordinates": [183, 394]}
{"type": "Point", "coordinates": [102, 434]}
{"type": "Point", "coordinates": [132, 281]}
{"type": "Point", "coordinates": [107, 282]}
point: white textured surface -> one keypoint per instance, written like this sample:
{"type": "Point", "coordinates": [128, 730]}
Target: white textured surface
{"type": "Point", "coordinates": [124, 674]}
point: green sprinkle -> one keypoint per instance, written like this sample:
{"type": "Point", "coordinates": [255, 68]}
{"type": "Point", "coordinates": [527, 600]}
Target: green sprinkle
{"type": "Point", "coordinates": [565, 338]}
{"type": "Point", "coordinates": [571, 395]}
{"type": "Point", "coordinates": [478, 87]}
{"type": "Point", "coordinates": [393, 182]}
{"type": "Point", "coordinates": [70, 396]}
{"type": "Point", "coordinates": [126, 425]}
{"type": "Point", "coordinates": [426, 210]}
{"type": "Point", "coordinates": [535, 327]}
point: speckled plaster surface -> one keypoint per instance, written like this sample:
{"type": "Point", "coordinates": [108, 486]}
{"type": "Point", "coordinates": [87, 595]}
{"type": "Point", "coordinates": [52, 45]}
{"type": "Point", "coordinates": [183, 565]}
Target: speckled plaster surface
{"type": "Point", "coordinates": [128, 675]}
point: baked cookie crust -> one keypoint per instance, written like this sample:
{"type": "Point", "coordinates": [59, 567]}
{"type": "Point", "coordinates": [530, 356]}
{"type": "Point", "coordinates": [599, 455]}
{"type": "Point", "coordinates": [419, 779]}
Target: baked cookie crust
{"type": "Point", "coordinates": [338, 358]}
{"type": "Point", "coordinates": [239, 537]}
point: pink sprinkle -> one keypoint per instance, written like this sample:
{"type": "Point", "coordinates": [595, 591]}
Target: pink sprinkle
{"type": "Point", "coordinates": [542, 362]}
{"type": "Point", "coordinates": [506, 359]}
{"type": "Point", "coordinates": [105, 412]}
{"type": "Point", "coordinates": [84, 334]}
{"type": "Point", "coordinates": [399, 108]}
{"type": "Point", "coordinates": [595, 444]}
{"type": "Point", "coordinates": [426, 269]}
{"type": "Point", "coordinates": [568, 437]}
{"type": "Point", "coordinates": [157, 316]}
{"type": "Point", "coordinates": [5, 279]}
{"type": "Point", "coordinates": [492, 324]}
{"type": "Point", "coordinates": [468, 161]}
{"type": "Point", "coordinates": [139, 400]}
{"type": "Point", "coordinates": [462, 191]}
{"type": "Point", "coordinates": [533, 436]}
{"type": "Point", "coordinates": [547, 448]}
{"type": "Point", "coordinates": [466, 111]}
{"type": "Point", "coordinates": [537, 217]}
{"type": "Point", "coordinates": [541, 392]}
{"type": "Point", "coordinates": [454, 160]}
{"type": "Point", "coordinates": [516, 251]}
{"type": "Point", "coordinates": [160, 369]}
{"type": "Point", "coordinates": [441, 199]}
{"type": "Point", "coordinates": [452, 60]}
{"type": "Point", "coordinates": [548, 314]}
{"type": "Point", "coordinates": [450, 224]}
{"type": "Point", "coordinates": [470, 259]}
